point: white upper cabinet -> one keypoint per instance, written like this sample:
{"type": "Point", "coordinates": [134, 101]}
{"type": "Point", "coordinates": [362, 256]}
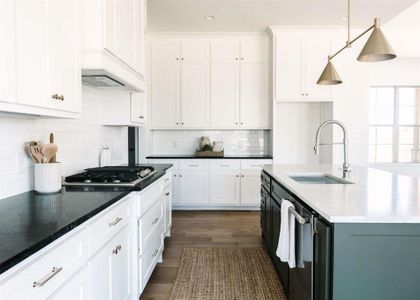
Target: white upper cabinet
{"type": "Point", "coordinates": [122, 108]}
{"type": "Point", "coordinates": [254, 96]}
{"type": "Point", "coordinates": [44, 60]}
{"type": "Point", "coordinates": [113, 40]}
{"type": "Point", "coordinates": [300, 58]}
{"type": "Point", "coordinates": [195, 101]}
{"type": "Point", "coordinates": [7, 51]}
{"type": "Point", "coordinates": [223, 82]}
{"type": "Point", "coordinates": [165, 94]}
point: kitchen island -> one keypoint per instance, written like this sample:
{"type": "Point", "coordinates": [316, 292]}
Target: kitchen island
{"type": "Point", "coordinates": [365, 229]}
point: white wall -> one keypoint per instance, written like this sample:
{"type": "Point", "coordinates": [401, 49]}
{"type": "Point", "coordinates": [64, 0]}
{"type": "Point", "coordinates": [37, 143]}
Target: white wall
{"type": "Point", "coordinates": [235, 142]}
{"type": "Point", "coordinates": [79, 143]}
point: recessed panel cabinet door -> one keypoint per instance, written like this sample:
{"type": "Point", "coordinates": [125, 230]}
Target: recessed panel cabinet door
{"type": "Point", "coordinates": [195, 52]}
{"type": "Point", "coordinates": [126, 37]}
{"type": "Point", "coordinates": [121, 267]}
{"type": "Point", "coordinates": [76, 288]}
{"type": "Point", "coordinates": [164, 95]}
{"type": "Point", "coordinates": [254, 95]}
{"type": "Point", "coordinates": [317, 51]}
{"type": "Point", "coordinates": [7, 51]}
{"type": "Point", "coordinates": [193, 187]}
{"type": "Point", "coordinates": [224, 187]}
{"type": "Point", "coordinates": [250, 187]}
{"type": "Point", "coordinates": [195, 95]}
{"type": "Point", "coordinates": [64, 55]}
{"type": "Point", "coordinates": [32, 52]}
{"type": "Point", "coordinates": [224, 95]}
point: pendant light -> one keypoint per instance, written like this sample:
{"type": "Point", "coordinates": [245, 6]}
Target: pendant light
{"type": "Point", "coordinates": [377, 48]}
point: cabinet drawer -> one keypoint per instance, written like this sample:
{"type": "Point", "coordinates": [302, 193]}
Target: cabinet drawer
{"type": "Point", "coordinates": [193, 164]}
{"type": "Point", "coordinates": [224, 164]}
{"type": "Point", "coordinates": [148, 197]}
{"type": "Point", "coordinates": [166, 179]}
{"type": "Point", "coordinates": [279, 193]}
{"type": "Point", "coordinates": [105, 227]}
{"type": "Point", "coordinates": [149, 222]}
{"type": "Point", "coordinates": [151, 255]}
{"type": "Point", "coordinates": [41, 277]}
{"type": "Point", "coordinates": [251, 164]}
{"type": "Point", "coordinates": [265, 181]}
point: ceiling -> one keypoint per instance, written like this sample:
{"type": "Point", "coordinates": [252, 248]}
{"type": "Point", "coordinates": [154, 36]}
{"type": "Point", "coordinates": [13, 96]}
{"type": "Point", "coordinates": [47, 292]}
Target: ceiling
{"type": "Point", "coordinates": [256, 15]}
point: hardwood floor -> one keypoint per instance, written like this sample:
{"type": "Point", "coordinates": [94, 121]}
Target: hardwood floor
{"type": "Point", "coordinates": [201, 229]}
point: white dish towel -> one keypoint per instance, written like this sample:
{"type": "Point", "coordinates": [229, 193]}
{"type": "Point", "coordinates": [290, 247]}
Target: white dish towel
{"type": "Point", "coordinates": [286, 246]}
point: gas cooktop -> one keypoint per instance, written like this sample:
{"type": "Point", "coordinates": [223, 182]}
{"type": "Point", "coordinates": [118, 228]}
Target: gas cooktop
{"type": "Point", "coordinates": [111, 176]}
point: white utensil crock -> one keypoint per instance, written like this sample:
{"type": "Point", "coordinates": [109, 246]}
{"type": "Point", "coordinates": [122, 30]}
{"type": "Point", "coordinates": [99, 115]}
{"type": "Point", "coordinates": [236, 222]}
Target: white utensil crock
{"type": "Point", "coordinates": [47, 178]}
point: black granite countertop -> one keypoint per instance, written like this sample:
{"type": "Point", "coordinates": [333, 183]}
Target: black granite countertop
{"type": "Point", "coordinates": [31, 221]}
{"type": "Point", "coordinates": [192, 156]}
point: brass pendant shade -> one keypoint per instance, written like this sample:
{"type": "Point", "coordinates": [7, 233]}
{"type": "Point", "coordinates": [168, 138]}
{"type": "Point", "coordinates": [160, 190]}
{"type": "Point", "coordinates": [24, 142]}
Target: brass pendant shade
{"type": "Point", "coordinates": [329, 76]}
{"type": "Point", "coordinates": [377, 47]}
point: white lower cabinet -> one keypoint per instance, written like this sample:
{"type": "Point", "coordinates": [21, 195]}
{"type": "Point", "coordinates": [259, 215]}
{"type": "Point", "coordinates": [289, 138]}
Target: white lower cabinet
{"type": "Point", "coordinates": [76, 288]}
{"type": "Point", "coordinates": [215, 183]}
{"type": "Point", "coordinates": [110, 269]}
{"type": "Point", "coordinates": [193, 187]}
{"type": "Point", "coordinates": [224, 187]}
{"type": "Point", "coordinates": [250, 187]}
{"type": "Point", "coordinates": [109, 257]}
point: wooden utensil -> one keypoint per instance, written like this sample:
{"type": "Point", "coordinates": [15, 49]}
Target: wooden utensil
{"type": "Point", "coordinates": [28, 150]}
{"type": "Point", "coordinates": [48, 151]}
{"type": "Point", "coordinates": [36, 152]}
{"type": "Point", "coordinates": [54, 158]}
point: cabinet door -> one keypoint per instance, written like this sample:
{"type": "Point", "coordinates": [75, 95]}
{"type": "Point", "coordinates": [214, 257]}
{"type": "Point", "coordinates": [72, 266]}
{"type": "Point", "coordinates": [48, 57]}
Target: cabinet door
{"type": "Point", "coordinates": [250, 187]}
{"type": "Point", "coordinates": [7, 51]}
{"type": "Point", "coordinates": [126, 31]}
{"type": "Point", "coordinates": [316, 54]}
{"type": "Point", "coordinates": [289, 66]}
{"type": "Point", "coordinates": [224, 51]}
{"type": "Point", "coordinates": [254, 96]}
{"type": "Point", "coordinates": [32, 53]}
{"type": "Point", "coordinates": [194, 187]}
{"type": "Point", "coordinates": [76, 288]}
{"type": "Point", "coordinates": [175, 188]}
{"type": "Point", "coordinates": [322, 260]}
{"type": "Point", "coordinates": [168, 209]}
{"type": "Point", "coordinates": [224, 101]}
{"type": "Point", "coordinates": [141, 32]}
{"type": "Point", "coordinates": [138, 108]}
{"type": "Point", "coordinates": [165, 51]}
{"type": "Point", "coordinates": [64, 54]}
{"type": "Point", "coordinates": [121, 266]}
{"type": "Point", "coordinates": [164, 95]}
{"type": "Point", "coordinates": [110, 26]}
{"type": "Point", "coordinates": [224, 187]}
{"type": "Point", "coordinates": [110, 269]}
{"type": "Point", "coordinates": [255, 50]}
{"type": "Point", "coordinates": [195, 52]}
{"type": "Point", "coordinates": [195, 95]}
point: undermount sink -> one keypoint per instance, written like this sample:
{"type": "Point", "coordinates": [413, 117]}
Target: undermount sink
{"type": "Point", "coordinates": [318, 179]}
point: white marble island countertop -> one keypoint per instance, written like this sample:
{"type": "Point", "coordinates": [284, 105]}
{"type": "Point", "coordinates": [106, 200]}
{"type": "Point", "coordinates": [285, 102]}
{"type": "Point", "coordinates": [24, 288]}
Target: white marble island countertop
{"type": "Point", "coordinates": [375, 196]}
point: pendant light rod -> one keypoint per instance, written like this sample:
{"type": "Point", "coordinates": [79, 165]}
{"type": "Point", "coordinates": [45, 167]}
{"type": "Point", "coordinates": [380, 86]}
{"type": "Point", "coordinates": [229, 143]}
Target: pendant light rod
{"type": "Point", "coordinates": [349, 43]}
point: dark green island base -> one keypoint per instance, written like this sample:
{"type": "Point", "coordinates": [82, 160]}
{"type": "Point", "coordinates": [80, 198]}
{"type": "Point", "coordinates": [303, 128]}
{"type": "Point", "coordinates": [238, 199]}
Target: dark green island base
{"type": "Point", "coordinates": [351, 261]}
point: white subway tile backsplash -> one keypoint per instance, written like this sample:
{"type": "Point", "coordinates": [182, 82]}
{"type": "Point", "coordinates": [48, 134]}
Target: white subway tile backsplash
{"type": "Point", "coordinates": [79, 143]}
{"type": "Point", "coordinates": [235, 142]}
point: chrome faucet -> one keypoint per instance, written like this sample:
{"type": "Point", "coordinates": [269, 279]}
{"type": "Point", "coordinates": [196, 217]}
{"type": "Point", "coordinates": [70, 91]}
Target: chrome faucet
{"type": "Point", "coordinates": [346, 166]}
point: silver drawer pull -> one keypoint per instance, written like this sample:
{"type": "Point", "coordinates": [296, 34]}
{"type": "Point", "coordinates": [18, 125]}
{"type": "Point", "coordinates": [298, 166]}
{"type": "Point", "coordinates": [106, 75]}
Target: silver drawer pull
{"type": "Point", "coordinates": [47, 278]}
{"type": "Point", "coordinates": [155, 220]}
{"type": "Point", "coordinates": [117, 220]}
{"type": "Point", "coordinates": [155, 253]}
{"type": "Point", "coordinates": [167, 179]}
{"type": "Point", "coordinates": [115, 251]}
{"type": "Point", "coordinates": [193, 165]}
{"type": "Point", "coordinates": [224, 166]}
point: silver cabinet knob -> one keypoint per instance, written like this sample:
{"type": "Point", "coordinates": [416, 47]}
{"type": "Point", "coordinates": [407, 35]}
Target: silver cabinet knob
{"type": "Point", "coordinates": [242, 58]}
{"type": "Point", "coordinates": [115, 251]}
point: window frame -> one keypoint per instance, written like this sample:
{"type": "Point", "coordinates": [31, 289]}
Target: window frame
{"type": "Point", "coordinates": [396, 126]}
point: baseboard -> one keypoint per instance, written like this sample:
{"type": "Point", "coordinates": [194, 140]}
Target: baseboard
{"type": "Point", "coordinates": [198, 207]}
